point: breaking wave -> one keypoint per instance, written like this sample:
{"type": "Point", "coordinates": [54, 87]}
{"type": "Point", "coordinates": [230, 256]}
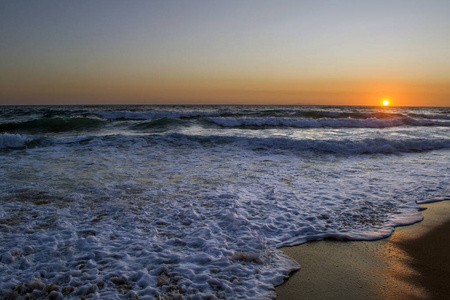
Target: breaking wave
{"type": "Point", "coordinates": [13, 141]}
{"type": "Point", "coordinates": [345, 147]}
{"type": "Point", "coordinates": [326, 122]}
{"type": "Point", "coordinates": [341, 147]}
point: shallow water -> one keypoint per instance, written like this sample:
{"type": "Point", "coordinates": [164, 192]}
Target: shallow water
{"type": "Point", "coordinates": [124, 201]}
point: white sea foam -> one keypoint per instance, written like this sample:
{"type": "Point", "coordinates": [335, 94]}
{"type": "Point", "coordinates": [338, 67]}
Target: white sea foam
{"type": "Point", "coordinates": [200, 211]}
{"type": "Point", "coordinates": [346, 145]}
{"type": "Point", "coordinates": [146, 219]}
{"type": "Point", "coordinates": [343, 146]}
{"type": "Point", "coordinates": [326, 122]}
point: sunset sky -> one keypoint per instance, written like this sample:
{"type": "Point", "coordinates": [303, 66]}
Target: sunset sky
{"type": "Point", "coordinates": [225, 52]}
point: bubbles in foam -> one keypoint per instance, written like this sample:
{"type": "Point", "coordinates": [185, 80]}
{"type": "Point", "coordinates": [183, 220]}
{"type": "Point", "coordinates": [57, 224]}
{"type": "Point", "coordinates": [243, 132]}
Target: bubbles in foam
{"type": "Point", "coordinates": [200, 213]}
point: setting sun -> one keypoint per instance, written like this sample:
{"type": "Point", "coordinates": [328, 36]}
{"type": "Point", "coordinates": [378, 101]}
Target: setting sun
{"type": "Point", "coordinates": [386, 102]}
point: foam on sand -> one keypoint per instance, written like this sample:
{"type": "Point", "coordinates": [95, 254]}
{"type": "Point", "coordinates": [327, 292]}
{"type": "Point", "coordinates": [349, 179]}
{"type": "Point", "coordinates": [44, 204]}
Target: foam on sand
{"type": "Point", "coordinates": [406, 265]}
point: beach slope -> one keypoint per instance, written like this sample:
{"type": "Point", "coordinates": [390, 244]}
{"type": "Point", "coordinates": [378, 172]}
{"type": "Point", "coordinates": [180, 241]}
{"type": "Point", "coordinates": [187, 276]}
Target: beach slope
{"type": "Point", "coordinates": [413, 263]}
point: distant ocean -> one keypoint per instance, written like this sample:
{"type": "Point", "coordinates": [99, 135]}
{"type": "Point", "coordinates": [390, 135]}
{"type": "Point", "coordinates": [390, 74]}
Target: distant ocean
{"type": "Point", "coordinates": [116, 202]}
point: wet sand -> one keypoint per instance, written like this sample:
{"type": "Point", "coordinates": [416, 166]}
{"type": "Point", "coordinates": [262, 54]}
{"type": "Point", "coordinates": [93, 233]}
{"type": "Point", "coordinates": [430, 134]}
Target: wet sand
{"type": "Point", "coordinates": [413, 263]}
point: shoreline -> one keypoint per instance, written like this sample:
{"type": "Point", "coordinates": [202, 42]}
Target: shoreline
{"type": "Point", "coordinates": [413, 263]}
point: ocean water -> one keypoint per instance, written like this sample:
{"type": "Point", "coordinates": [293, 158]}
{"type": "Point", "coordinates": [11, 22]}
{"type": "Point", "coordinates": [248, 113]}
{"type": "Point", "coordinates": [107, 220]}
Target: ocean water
{"type": "Point", "coordinates": [191, 202]}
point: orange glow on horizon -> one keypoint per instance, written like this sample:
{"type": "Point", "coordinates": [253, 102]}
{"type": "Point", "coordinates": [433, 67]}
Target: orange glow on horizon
{"type": "Point", "coordinates": [121, 88]}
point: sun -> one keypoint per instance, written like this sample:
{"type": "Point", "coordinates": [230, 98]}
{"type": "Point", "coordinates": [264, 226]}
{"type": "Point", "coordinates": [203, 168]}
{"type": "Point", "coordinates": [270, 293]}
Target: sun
{"type": "Point", "coordinates": [386, 102]}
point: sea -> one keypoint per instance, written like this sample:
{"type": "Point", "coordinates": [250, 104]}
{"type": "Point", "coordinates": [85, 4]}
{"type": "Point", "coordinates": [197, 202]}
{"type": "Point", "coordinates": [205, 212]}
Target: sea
{"type": "Point", "coordinates": [194, 202]}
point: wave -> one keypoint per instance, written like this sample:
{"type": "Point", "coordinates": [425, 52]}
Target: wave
{"type": "Point", "coordinates": [14, 141]}
{"type": "Point", "coordinates": [151, 115]}
{"type": "Point", "coordinates": [345, 147]}
{"type": "Point", "coordinates": [230, 113]}
{"type": "Point", "coordinates": [325, 122]}
{"type": "Point", "coordinates": [158, 123]}
{"type": "Point", "coordinates": [52, 125]}
{"type": "Point", "coordinates": [340, 147]}
{"type": "Point", "coordinates": [161, 124]}
{"type": "Point", "coordinates": [313, 114]}
{"type": "Point", "coordinates": [430, 116]}
{"type": "Point", "coordinates": [233, 112]}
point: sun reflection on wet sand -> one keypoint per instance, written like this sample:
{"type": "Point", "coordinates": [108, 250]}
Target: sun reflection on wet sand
{"type": "Point", "coordinates": [427, 251]}
{"type": "Point", "coordinates": [396, 273]}
{"type": "Point", "coordinates": [381, 269]}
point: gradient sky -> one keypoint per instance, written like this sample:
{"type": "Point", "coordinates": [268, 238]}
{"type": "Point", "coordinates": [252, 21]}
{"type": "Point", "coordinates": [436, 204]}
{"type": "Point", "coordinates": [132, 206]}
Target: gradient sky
{"type": "Point", "coordinates": [225, 52]}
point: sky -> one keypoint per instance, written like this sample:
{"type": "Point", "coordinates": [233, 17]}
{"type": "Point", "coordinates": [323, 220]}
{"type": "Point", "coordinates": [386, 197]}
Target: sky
{"type": "Point", "coordinates": [318, 52]}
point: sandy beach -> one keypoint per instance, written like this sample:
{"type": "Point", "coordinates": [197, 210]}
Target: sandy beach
{"type": "Point", "coordinates": [413, 263]}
